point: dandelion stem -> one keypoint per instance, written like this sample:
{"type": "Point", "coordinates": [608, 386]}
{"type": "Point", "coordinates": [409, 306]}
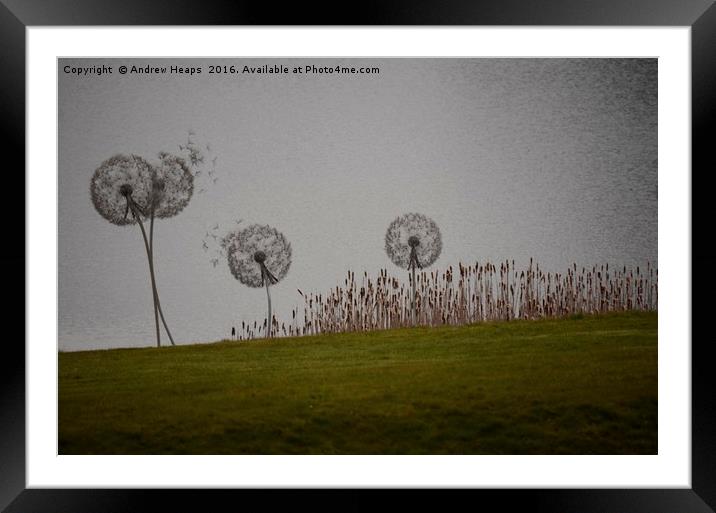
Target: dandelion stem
{"type": "Point", "coordinates": [154, 289]}
{"type": "Point", "coordinates": [150, 257]}
{"type": "Point", "coordinates": [136, 214]}
{"type": "Point", "coordinates": [268, 296]}
{"type": "Point", "coordinates": [413, 306]}
{"type": "Point", "coordinates": [158, 303]}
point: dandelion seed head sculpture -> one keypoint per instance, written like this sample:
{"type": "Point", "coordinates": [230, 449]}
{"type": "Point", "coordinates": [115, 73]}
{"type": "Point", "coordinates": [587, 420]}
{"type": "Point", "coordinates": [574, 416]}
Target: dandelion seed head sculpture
{"type": "Point", "coordinates": [173, 185]}
{"type": "Point", "coordinates": [258, 253]}
{"type": "Point", "coordinates": [126, 189]}
{"type": "Point", "coordinates": [413, 240]}
{"type": "Point", "coordinates": [118, 181]}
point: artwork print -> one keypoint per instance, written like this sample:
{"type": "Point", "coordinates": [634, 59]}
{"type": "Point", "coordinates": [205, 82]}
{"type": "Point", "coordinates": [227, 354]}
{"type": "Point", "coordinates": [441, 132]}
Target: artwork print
{"type": "Point", "coordinates": [357, 256]}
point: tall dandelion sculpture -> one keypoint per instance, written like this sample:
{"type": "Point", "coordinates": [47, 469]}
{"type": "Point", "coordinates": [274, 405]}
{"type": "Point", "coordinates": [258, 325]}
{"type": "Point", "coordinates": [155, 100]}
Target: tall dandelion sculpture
{"type": "Point", "coordinates": [259, 256]}
{"type": "Point", "coordinates": [127, 190]}
{"type": "Point", "coordinates": [413, 241]}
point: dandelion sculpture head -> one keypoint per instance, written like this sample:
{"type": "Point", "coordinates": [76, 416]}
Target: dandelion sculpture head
{"type": "Point", "coordinates": [413, 241]}
{"type": "Point", "coordinates": [258, 255]}
{"type": "Point", "coordinates": [126, 189]}
{"type": "Point", "coordinates": [121, 186]}
{"type": "Point", "coordinates": [172, 185]}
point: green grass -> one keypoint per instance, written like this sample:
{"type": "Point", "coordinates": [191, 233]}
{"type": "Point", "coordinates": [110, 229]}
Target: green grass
{"type": "Point", "coordinates": [575, 386]}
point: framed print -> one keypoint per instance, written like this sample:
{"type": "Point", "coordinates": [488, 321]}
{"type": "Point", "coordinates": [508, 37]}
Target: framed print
{"type": "Point", "coordinates": [441, 249]}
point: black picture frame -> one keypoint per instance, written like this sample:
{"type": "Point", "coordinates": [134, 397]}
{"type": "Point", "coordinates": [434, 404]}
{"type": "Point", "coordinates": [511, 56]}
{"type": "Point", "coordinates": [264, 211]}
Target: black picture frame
{"type": "Point", "coordinates": [17, 15]}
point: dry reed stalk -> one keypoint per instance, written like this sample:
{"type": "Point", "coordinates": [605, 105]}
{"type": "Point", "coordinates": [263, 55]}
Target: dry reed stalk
{"type": "Point", "coordinates": [465, 295]}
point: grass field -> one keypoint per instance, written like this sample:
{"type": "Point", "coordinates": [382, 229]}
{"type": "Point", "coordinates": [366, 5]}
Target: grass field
{"type": "Point", "coordinates": [575, 386]}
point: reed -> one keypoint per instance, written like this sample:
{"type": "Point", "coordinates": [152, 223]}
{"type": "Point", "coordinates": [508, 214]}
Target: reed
{"type": "Point", "coordinates": [465, 294]}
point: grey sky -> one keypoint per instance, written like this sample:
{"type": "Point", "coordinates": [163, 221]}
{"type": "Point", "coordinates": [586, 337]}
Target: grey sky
{"type": "Point", "coordinates": [554, 159]}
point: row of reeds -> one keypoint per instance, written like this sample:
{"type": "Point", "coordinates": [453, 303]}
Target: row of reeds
{"type": "Point", "coordinates": [466, 294]}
